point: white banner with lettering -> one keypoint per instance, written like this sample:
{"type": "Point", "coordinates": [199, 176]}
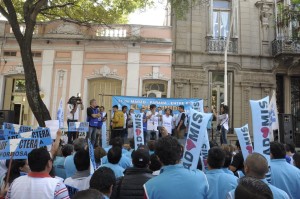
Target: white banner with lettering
{"type": "Point", "coordinates": [261, 131]}
{"type": "Point", "coordinates": [196, 132]}
{"type": "Point", "coordinates": [245, 140]}
{"type": "Point", "coordinates": [138, 130]}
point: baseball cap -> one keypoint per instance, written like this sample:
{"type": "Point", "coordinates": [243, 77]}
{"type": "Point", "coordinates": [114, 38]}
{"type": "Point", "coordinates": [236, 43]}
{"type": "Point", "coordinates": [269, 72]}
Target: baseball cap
{"type": "Point", "coordinates": [140, 158]}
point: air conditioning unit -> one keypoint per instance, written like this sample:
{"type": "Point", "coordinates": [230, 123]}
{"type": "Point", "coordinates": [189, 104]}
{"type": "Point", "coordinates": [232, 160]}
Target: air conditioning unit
{"type": "Point", "coordinates": [154, 94]}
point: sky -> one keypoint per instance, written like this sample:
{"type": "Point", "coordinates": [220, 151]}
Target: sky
{"type": "Point", "coordinates": [150, 16]}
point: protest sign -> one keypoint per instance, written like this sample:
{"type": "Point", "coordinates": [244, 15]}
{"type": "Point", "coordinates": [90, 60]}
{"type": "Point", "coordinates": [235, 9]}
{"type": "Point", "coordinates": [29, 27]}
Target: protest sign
{"type": "Point", "coordinates": [19, 148]}
{"type": "Point", "coordinates": [245, 140]}
{"type": "Point", "coordinates": [53, 125]}
{"type": "Point", "coordinates": [78, 127]}
{"type": "Point", "coordinates": [44, 135]}
{"type": "Point", "coordinates": [16, 128]}
{"type": "Point", "coordinates": [204, 151]}
{"type": "Point", "coordinates": [137, 103]}
{"type": "Point", "coordinates": [273, 116]}
{"type": "Point", "coordinates": [138, 133]}
{"type": "Point", "coordinates": [92, 157]}
{"type": "Point", "coordinates": [103, 135]}
{"type": "Point", "coordinates": [196, 132]}
{"type": "Point", "coordinates": [261, 131]}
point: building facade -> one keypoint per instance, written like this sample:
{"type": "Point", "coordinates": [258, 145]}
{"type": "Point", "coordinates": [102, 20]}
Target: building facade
{"type": "Point", "coordinates": [97, 62]}
{"type": "Point", "coordinates": [262, 57]}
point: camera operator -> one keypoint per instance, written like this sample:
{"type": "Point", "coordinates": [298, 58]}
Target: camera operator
{"type": "Point", "coordinates": [74, 106]}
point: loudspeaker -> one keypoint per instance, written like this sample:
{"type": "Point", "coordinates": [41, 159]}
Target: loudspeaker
{"type": "Point", "coordinates": [7, 116]}
{"type": "Point", "coordinates": [286, 131]}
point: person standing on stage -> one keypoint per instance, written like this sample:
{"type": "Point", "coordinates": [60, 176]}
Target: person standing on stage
{"type": "Point", "coordinates": [92, 117]}
{"type": "Point", "coordinates": [117, 122]}
{"type": "Point", "coordinates": [167, 120]}
{"type": "Point", "coordinates": [74, 107]}
{"type": "Point", "coordinates": [152, 123]}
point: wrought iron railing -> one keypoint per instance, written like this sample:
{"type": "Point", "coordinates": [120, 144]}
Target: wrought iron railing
{"type": "Point", "coordinates": [285, 45]}
{"type": "Point", "coordinates": [217, 45]}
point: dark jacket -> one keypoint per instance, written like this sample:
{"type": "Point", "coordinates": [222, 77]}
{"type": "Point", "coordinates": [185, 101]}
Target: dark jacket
{"type": "Point", "coordinates": [131, 185]}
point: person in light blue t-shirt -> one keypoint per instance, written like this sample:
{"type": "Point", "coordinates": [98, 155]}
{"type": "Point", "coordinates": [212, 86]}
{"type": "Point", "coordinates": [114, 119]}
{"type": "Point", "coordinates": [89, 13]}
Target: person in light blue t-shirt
{"type": "Point", "coordinates": [175, 181]}
{"type": "Point", "coordinates": [284, 175]}
{"type": "Point", "coordinates": [256, 166]}
{"type": "Point", "coordinates": [70, 168]}
{"type": "Point", "coordinates": [220, 183]}
{"type": "Point", "coordinates": [113, 156]}
{"type": "Point", "coordinates": [228, 158]}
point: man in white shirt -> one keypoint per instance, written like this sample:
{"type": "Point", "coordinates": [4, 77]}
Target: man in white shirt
{"type": "Point", "coordinates": [74, 106]}
{"type": "Point", "coordinates": [167, 120]}
{"type": "Point", "coordinates": [81, 179]}
{"type": "Point", "coordinates": [38, 183]}
{"type": "Point", "coordinates": [152, 123]}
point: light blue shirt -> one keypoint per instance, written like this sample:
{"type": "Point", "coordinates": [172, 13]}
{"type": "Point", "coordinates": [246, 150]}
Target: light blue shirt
{"type": "Point", "coordinates": [124, 151]}
{"type": "Point", "coordinates": [176, 182]}
{"type": "Point", "coordinates": [59, 167]}
{"type": "Point", "coordinates": [277, 193]}
{"type": "Point", "coordinates": [116, 169]}
{"type": "Point", "coordinates": [70, 166]}
{"type": "Point", "coordinates": [220, 183]}
{"type": "Point", "coordinates": [286, 177]}
{"type": "Point", "coordinates": [228, 171]}
{"type": "Point", "coordinates": [124, 162]}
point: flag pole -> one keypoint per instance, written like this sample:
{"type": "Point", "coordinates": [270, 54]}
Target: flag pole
{"type": "Point", "coordinates": [225, 56]}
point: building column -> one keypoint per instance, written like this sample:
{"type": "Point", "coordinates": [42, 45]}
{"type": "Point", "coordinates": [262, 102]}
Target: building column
{"type": "Point", "coordinates": [76, 73]}
{"type": "Point", "coordinates": [46, 79]}
{"type": "Point", "coordinates": [287, 94]}
{"type": "Point", "coordinates": [2, 89]}
{"type": "Point", "coordinates": [133, 71]}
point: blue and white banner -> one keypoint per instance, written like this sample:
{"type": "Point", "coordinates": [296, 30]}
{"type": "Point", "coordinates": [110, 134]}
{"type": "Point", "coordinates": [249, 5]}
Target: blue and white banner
{"type": "Point", "coordinates": [78, 126]}
{"type": "Point", "coordinates": [103, 135]}
{"type": "Point", "coordinates": [273, 116]}
{"type": "Point", "coordinates": [93, 166]}
{"type": "Point", "coordinates": [137, 103]}
{"type": "Point", "coordinates": [196, 132]}
{"type": "Point", "coordinates": [138, 132]}
{"type": "Point", "coordinates": [245, 140]}
{"type": "Point", "coordinates": [42, 133]}
{"type": "Point", "coordinates": [19, 148]}
{"type": "Point", "coordinates": [261, 131]}
{"type": "Point", "coordinates": [204, 151]}
{"type": "Point", "coordinates": [16, 128]}
{"type": "Point", "coordinates": [60, 114]}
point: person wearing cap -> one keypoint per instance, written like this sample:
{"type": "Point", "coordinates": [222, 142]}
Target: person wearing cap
{"type": "Point", "coordinates": [131, 185]}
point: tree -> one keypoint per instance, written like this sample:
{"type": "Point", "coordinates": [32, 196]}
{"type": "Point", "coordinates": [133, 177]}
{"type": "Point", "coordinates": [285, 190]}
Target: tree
{"type": "Point", "coordinates": [76, 11]}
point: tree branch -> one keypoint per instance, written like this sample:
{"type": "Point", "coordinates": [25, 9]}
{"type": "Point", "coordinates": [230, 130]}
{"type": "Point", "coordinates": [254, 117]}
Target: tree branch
{"type": "Point", "coordinates": [13, 20]}
{"type": "Point", "coordinates": [3, 12]}
{"type": "Point", "coordinates": [58, 6]}
{"type": "Point", "coordinates": [37, 8]}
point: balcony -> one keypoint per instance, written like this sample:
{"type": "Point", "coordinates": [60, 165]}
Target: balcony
{"type": "Point", "coordinates": [288, 46]}
{"type": "Point", "coordinates": [217, 45]}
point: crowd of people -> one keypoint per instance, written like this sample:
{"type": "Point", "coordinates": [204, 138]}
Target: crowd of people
{"type": "Point", "coordinates": [152, 171]}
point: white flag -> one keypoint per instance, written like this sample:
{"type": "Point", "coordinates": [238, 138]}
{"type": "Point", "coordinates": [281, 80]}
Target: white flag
{"type": "Point", "coordinates": [273, 116]}
{"type": "Point", "coordinates": [60, 114]}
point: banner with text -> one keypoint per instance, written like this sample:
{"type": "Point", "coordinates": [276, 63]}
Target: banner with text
{"type": "Point", "coordinates": [138, 132]}
{"type": "Point", "coordinates": [196, 132]}
{"type": "Point", "coordinates": [204, 151]}
{"type": "Point", "coordinates": [261, 131]}
{"type": "Point", "coordinates": [42, 133]}
{"type": "Point", "coordinates": [103, 135]}
{"type": "Point", "coordinates": [19, 148]}
{"type": "Point", "coordinates": [137, 103]}
{"type": "Point", "coordinates": [245, 140]}
{"type": "Point", "coordinates": [78, 126]}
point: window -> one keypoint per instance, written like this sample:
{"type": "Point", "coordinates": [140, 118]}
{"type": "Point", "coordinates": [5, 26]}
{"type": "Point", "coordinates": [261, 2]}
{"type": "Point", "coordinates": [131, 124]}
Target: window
{"type": "Point", "coordinates": [221, 18]}
{"type": "Point", "coordinates": [10, 53]}
{"type": "Point", "coordinates": [36, 54]}
{"type": "Point", "coordinates": [19, 86]}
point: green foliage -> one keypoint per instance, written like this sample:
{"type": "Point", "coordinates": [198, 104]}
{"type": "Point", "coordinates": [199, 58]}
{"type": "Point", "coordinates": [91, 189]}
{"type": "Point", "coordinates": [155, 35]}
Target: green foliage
{"type": "Point", "coordinates": [83, 11]}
